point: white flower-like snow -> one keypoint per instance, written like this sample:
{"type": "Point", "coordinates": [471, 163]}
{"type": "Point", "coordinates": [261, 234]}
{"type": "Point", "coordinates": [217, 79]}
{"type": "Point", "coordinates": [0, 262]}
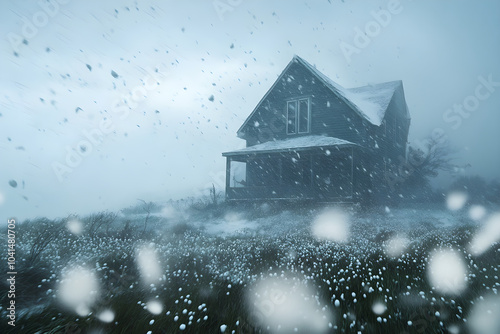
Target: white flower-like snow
{"type": "Point", "coordinates": [456, 200]}
{"type": "Point", "coordinates": [395, 246]}
{"type": "Point", "coordinates": [148, 264]}
{"type": "Point", "coordinates": [74, 226]}
{"type": "Point", "coordinates": [379, 308]}
{"type": "Point", "coordinates": [332, 224]}
{"type": "Point", "coordinates": [485, 316]}
{"type": "Point", "coordinates": [447, 272]}
{"type": "Point", "coordinates": [283, 305]}
{"type": "Point", "coordinates": [154, 306]}
{"type": "Point", "coordinates": [477, 212]}
{"type": "Point", "coordinates": [78, 290]}
{"type": "Point", "coordinates": [488, 235]}
{"type": "Point", "coordinates": [454, 329]}
{"type": "Point", "coordinates": [106, 316]}
{"type": "Point", "coordinates": [82, 310]}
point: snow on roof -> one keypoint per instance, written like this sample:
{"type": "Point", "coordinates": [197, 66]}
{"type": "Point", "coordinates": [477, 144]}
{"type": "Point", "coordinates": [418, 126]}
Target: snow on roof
{"type": "Point", "coordinates": [372, 101]}
{"type": "Point", "coordinates": [369, 101]}
{"type": "Point", "coordinates": [292, 144]}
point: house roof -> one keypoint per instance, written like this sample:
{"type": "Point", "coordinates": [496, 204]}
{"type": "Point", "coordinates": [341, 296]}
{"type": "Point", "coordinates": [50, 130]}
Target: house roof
{"type": "Point", "coordinates": [291, 145]}
{"type": "Point", "coordinates": [370, 102]}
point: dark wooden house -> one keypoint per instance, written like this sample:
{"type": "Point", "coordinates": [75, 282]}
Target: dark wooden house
{"type": "Point", "coordinates": [310, 138]}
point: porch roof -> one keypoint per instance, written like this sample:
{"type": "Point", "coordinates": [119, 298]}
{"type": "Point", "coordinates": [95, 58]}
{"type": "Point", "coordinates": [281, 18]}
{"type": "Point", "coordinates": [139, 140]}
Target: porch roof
{"type": "Point", "coordinates": [292, 144]}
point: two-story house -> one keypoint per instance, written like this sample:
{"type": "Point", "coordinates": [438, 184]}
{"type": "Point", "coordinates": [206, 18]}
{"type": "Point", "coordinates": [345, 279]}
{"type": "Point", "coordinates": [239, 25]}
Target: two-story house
{"type": "Point", "coordinates": [310, 138]}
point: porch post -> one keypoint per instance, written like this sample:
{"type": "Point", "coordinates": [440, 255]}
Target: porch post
{"type": "Point", "coordinates": [311, 170]}
{"type": "Point", "coordinates": [352, 172]}
{"type": "Point", "coordinates": [280, 167]}
{"type": "Point", "coordinates": [228, 176]}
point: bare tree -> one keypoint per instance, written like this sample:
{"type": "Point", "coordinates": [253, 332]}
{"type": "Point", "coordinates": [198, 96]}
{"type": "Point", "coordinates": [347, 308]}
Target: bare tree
{"type": "Point", "coordinates": [424, 163]}
{"type": "Point", "coordinates": [147, 207]}
{"type": "Point", "coordinates": [126, 232]}
{"type": "Point", "coordinates": [96, 221]}
{"type": "Point", "coordinates": [214, 195]}
{"type": "Point", "coordinates": [44, 232]}
{"type": "Point", "coordinates": [427, 161]}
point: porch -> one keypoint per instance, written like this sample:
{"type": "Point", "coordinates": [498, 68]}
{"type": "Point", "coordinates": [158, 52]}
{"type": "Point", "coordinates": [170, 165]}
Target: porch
{"type": "Point", "coordinates": [309, 167]}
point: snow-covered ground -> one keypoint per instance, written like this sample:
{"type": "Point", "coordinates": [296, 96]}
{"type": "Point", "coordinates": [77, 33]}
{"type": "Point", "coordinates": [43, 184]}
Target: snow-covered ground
{"type": "Point", "coordinates": [239, 222]}
{"type": "Point", "coordinates": [407, 269]}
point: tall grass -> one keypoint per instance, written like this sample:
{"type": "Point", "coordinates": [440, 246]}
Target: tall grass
{"type": "Point", "coordinates": [206, 279]}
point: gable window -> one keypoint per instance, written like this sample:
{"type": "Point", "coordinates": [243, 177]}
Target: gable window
{"type": "Point", "coordinates": [291, 124]}
{"type": "Point", "coordinates": [303, 116]}
{"type": "Point", "coordinates": [298, 116]}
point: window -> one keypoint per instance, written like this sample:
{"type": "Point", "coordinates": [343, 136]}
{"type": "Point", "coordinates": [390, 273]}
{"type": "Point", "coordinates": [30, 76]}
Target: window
{"type": "Point", "coordinates": [298, 116]}
{"type": "Point", "coordinates": [303, 116]}
{"type": "Point", "coordinates": [237, 174]}
{"type": "Point", "coordinates": [291, 124]}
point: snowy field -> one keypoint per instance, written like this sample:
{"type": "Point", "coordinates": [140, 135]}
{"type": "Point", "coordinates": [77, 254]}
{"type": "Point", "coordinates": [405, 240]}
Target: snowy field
{"type": "Point", "coordinates": [431, 269]}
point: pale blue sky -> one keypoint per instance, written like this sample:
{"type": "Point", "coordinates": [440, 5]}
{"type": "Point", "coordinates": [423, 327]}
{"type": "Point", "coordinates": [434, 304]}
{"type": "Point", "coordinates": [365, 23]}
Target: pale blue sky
{"type": "Point", "coordinates": [438, 48]}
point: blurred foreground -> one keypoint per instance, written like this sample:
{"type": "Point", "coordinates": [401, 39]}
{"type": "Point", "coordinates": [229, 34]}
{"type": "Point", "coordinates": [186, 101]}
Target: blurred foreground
{"type": "Point", "coordinates": [261, 269]}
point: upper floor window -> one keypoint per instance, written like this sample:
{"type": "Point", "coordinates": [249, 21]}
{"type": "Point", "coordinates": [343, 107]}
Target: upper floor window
{"type": "Point", "coordinates": [298, 116]}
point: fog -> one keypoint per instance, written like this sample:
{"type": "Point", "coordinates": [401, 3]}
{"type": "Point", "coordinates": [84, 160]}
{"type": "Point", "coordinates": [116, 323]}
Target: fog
{"type": "Point", "coordinates": [159, 88]}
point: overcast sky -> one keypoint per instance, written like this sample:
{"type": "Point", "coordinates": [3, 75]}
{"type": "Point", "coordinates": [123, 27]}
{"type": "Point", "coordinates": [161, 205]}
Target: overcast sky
{"type": "Point", "coordinates": [192, 71]}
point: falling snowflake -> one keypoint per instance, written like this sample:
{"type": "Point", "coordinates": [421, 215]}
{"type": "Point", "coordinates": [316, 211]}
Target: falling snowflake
{"type": "Point", "coordinates": [488, 235]}
{"type": "Point", "coordinates": [106, 316]}
{"type": "Point", "coordinates": [147, 261]}
{"type": "Point", "coordinates": [331, 225]}
{"type": "Point", "coordinates": [74, 226]}
{"type": "Point", "coordinates": [154, 306]}
{"type": "Point", "coordinates": [447, 272]}
{"type": "Point", "coordinates": [78, 290]}
{"type": "Point", "coordinates": [456, 200]}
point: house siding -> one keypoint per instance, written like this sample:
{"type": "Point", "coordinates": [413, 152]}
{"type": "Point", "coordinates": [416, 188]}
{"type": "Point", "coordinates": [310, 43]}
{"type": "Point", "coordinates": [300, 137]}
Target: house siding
{"type": "Point", "coordinates": [392, 140]}
{"type": "Point", "coordinates": [330, 115]}
{"type": "Point", "coordinates": [328, 173]}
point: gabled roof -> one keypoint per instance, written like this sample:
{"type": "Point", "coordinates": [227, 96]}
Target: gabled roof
{"type": "Point", "coordinates": [370, 102]}
{"type": "Point", "coordinates": [291, 145]}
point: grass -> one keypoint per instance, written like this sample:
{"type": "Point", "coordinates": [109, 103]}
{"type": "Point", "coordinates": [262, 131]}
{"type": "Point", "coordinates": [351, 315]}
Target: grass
{"type": "Point", "coordinates": [206, 279]}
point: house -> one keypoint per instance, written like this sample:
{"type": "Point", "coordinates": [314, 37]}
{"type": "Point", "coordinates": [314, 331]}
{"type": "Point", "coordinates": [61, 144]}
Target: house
{"type": "Point", "coordinates": [310, 138]}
